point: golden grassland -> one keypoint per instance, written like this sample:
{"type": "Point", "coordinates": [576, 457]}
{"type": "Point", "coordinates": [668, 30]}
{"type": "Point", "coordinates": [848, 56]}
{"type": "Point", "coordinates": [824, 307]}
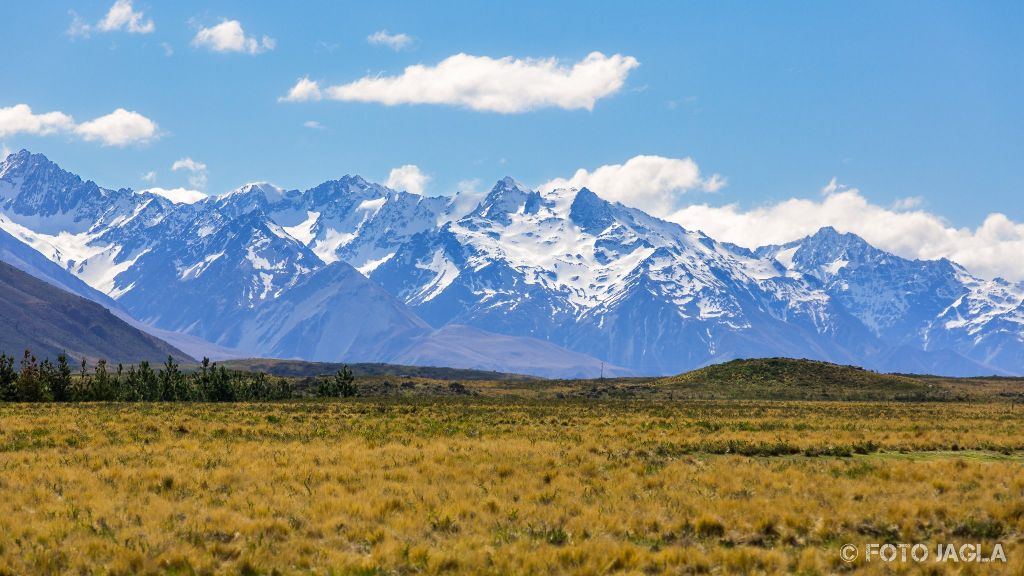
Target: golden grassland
{"type": "Point", "coordinates": [503, 486]}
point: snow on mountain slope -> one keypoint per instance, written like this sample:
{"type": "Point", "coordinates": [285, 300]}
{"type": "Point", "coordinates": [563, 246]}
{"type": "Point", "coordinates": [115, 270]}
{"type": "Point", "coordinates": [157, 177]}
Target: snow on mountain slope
{"type": "Point", "coordinates": [894, 297]}
{"type": "Point", "coordinates": [29, 260]}
{"type": "Point", "coordinates": [240, 269]}
{"type": "Point", "coordinates": [985, 324]}
{"type": "Point", "coordinates": [571, 268]}
{"type": "Point", "coordinates": [278, 271]}
{"type": "Point", "coordinates": [195, 287]}
{"type": "Point", "coordinates": [927, 305]}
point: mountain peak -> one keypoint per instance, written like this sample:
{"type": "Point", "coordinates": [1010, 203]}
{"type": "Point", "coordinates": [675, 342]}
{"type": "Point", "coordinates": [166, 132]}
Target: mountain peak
{"type": "Point", "coordinates": [506, 198]}
{"type": "Point", "coordinates": [349, 181]}
{"type": "Point", "coordinates": [22, 155]}
{"type": "Point", "coordinates": [505, 186]}
{"type": "Point", "coordinates": [832, 240]}
{"type": "Point", "coordinates": [269, 191]}
{"type": "Point", "coordinates": [508, 182]}
{"type": "Point", "coordinates": [23, 160]}
{"type": "Point", "coordinates": [590, 212]}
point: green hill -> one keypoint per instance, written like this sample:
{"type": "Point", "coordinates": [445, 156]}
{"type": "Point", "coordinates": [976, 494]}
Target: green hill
{"type": "Point", "coordinates": [792, 379]}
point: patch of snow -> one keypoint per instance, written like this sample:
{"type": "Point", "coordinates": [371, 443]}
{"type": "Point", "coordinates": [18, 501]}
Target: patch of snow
{"type": "Point", "coordinates": [327, 247]}
{"type": "Point", "coordinates": [785, 257]}
{"type": "Point", "coordinates": [836, 266]}
{"type": "Point", "coordinates": [372, 265]}
{"type": "Point", "coordinates": [371, 205]}
{"type": "Point", "coordinates": [100, 270]}
{"type": "Point", "coordinates": [258, 262]}
{"type": "Point", "coordinates": [268, 284]}
{"type": "Point", "coordinates": [303, 231]}
{"type": "Point", "coordinates": [197, 269]}
{"type": "Point", "coordinates": [176, 195]}
{"type": "Point", "coordinates": [445, 272]}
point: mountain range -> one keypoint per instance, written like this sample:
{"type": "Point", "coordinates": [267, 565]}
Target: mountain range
{"type": "Point", "coordinates": [555, 283]}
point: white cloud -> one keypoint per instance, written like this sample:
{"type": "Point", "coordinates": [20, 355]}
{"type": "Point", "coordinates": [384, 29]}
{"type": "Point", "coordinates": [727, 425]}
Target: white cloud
{"type": "Point", "coordinates": [188, 164]}
{"type": "Point", "coordinates": [408, 178]}
{"type": "Point", "coordinates": [149, 176]}
{"type": "Point", "coordinates": [197, 170]}
{"type": "Point", "coordinates": [121, 16]}
{"type": "Point", "coordinates": [78, 28]}
{"type": "Point", "coordinates": [313, 125]}
{"type": "Point", "coordinates": [908, 203]}
{"type": "Point", "coordinates": [4, 152]}
{"type": "Point", "coordinates": [228, 36]}
{"type": "Point", "coordinates": [992, 249]}
{"type": "Point", "coordinates": [651, 183]}
{"type": "Point", "coordinates": [505, 85]}
{"type": "Point", "coordinates": [178, 195]}
{"type": "Point", "coordinates": [119, 128]}
{"type": "Point", "coordinates": [303, 91]}
{"type": "Point", "coordinates": [394, 41]}
{"type": "Point", "coordinates": [714, 183]}
{"type": "Point", "coordinates": [19, 119]}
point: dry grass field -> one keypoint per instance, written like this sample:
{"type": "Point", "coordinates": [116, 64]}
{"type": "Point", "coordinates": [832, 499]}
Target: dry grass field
{"type": "Point", "coordinates": [502, 486]}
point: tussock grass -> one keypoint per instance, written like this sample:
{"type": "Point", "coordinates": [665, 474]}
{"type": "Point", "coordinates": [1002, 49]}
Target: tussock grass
{"type": "Point", "coordinates": [478, 486]}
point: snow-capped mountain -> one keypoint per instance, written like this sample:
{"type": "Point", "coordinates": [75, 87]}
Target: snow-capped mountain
{"type": "Point", "coordinates": [917, 305]}
{"type": "Point", "coordinates": [571, 268]}
{"type": "Point", "coordinates": [284, 272]}
{"type": "Point", "coordinates": [244, 270]}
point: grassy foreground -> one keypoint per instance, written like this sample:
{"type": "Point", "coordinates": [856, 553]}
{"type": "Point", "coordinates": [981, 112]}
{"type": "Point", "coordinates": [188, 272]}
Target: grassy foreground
{"type": "Point", "coordinates": [485, 486]}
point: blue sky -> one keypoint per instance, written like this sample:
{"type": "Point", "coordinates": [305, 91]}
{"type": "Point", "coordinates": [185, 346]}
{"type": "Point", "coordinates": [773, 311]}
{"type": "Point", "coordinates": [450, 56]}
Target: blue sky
{"type": "Point", "coordinates": [900, 100]}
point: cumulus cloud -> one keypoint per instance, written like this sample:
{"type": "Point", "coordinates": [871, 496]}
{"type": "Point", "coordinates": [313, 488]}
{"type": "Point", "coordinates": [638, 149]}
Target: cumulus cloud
{"type": "Point", "coordinates": [991, 249]}
{"type": "Point", "coordinates": [228, 36]}
{"type": "Point", "coordinates": [394, 41]}
{"type": "Point", "coordinates": [504, 85]}
{"type": "Point", "coordinates": [196, 170]}
{"type": "Point", "coordinates": [149, 176]}
{"type": "Point", "coordinates": [409, 178]}
{"type": "Point", "coordinates": [651, 183]}
{"type": "Point", "coordinates": [119, 128]}
{"type": "Point", "coordinates": [313, 125]}
{"type": "Point", "coordinates": [303, 91]}
{"type": "Point", "coordinates": [657, 184]}
{"type": "Point", "coordinates": [714, 183]}
{"type": "Point", "coordinates": [19, 119]}
{"type": "Point", "coordinates": [178, 195]}
{"type": "Point", "coordinates": [121, 16]}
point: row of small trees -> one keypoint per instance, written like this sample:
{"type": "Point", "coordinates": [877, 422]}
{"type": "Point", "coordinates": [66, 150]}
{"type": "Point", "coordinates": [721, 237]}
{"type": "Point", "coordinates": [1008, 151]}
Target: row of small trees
{"type": "Point", "coordinates": [45, 381]}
